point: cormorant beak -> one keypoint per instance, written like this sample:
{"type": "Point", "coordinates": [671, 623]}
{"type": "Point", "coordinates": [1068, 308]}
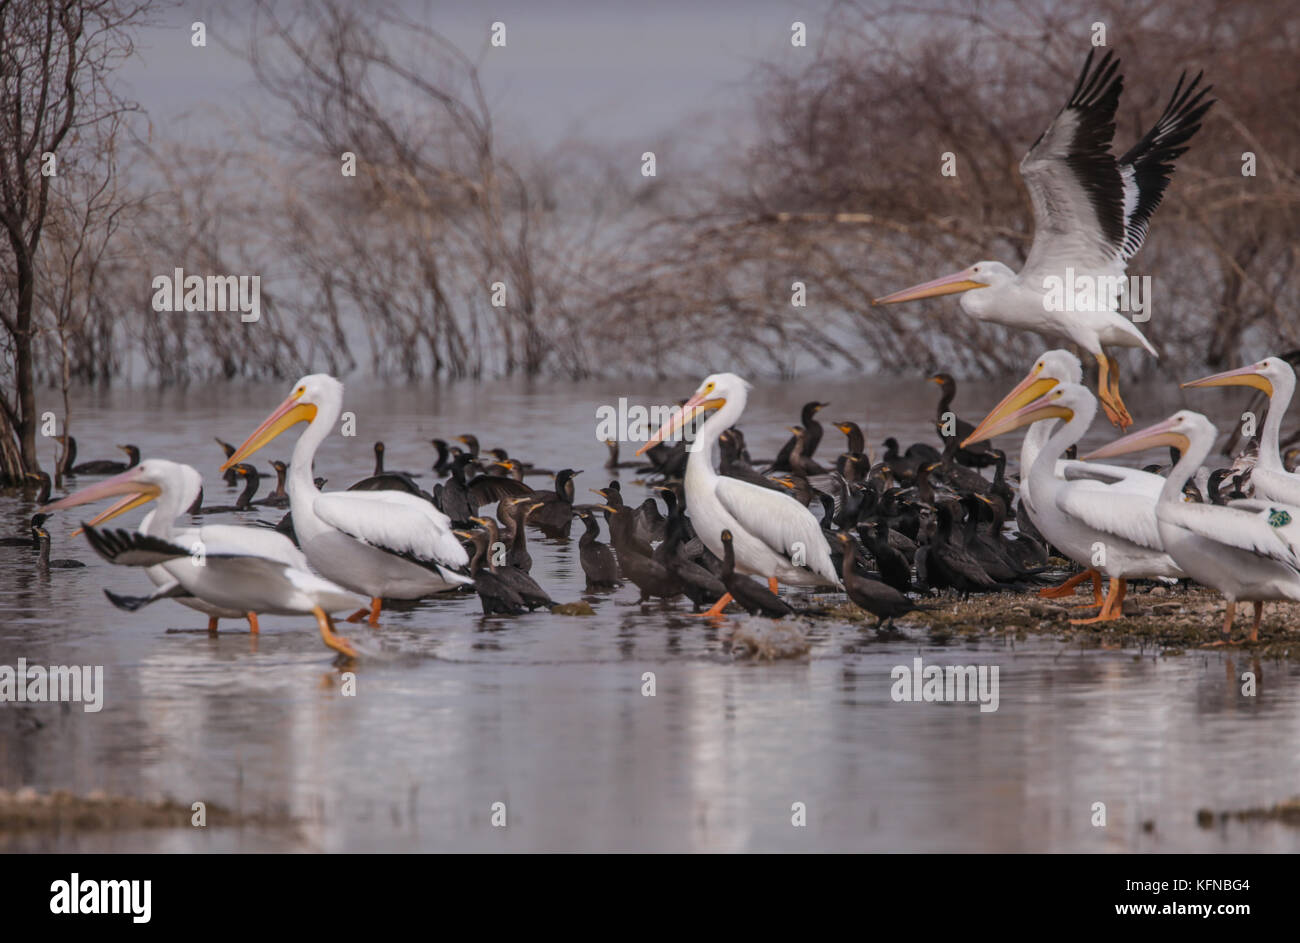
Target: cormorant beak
{"type": "Point", "coordinates": [1242, 376]}
{"type": "Point", "coordinates": [700, 402]}
{"type": "Point", "coordinates": [129, 483]}
{"type": "Point", "coordinates": [1044, 407]}
{"type": "Point", "coordinates": [948, 285]}
{"type": "Point", "coordinates": [287, 414]}
{"type": "Point", "coordinates": [1027, 390]}
{"type": "Point", "coordinates": [1162, 433]}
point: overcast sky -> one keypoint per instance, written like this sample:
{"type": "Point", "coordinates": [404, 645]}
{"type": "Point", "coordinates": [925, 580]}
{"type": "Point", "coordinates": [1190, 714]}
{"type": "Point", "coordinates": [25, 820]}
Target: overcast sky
{"type": "Point", "coordinates": [609, 71]}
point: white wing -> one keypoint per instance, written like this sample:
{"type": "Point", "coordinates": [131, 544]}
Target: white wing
{"type": "Point", "coordinates": [247, 541]}
{"type": "Point", "coordinates": [1110, 510]}
{"type": "Point", "coordinates": [394, 521]}
{"type": "Point", "coordinates": [1245, 529]}
{"type": "Point", "coordinates": [779, 521]}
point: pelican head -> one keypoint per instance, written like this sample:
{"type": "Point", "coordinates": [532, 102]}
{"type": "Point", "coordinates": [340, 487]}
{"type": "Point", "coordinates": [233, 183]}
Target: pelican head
{"type": "Point", "coordinates": [1178, 431]}
{"type": "Point", "coordinates": [139, 485]}
{"type": "Point", "coordinates": [1061, 401]}
{"type": "Point", "coordinates": [310, 393]}
{"type": "Point", "coordinates": [1266, 376]}
{"type": "Point", "coordinates": [980, 275]}
{"type": "Point", "coordinates": [1051, 369]}
{"type": "Point", "coordinates": [714, 392]}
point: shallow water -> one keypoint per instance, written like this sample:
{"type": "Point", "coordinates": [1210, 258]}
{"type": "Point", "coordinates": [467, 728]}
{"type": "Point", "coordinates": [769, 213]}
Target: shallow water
{"type": "Point", "coordinates": [545, 713]}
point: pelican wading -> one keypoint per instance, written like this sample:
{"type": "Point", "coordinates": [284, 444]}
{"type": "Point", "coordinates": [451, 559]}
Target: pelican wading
{"type": "Point", "coordinates": [1091, 213]}
{"type": "Point", "coordinates": [1247, 550]}
{"type": "Point", "coordinates": [1104, 525]}
{"type": "Point", "coordinates": [222, 570]}
{"type": "Point", "coordinates": [379, 543]}
{"type": "Point", "coordinates": [773, 535]}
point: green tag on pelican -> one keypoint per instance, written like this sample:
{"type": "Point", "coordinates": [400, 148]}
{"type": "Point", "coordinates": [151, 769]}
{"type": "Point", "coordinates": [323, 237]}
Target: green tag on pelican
{"type": "Point", "coordinates": [1278, 518]}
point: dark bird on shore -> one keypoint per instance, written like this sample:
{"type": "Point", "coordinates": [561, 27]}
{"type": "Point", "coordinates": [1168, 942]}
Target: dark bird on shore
{"type": "Point", "coordinates": [648, 575]}
{"type": "Point", "coordinates": [555, 517]}
{"type": "Point", "coordinates": [597, 559]}
{"type": "Point", "coordinates": [520, 581]}
{"type": "Point", "coordinates": [808, 420]}
{"type": "Point", "coordinates": [623, 523]}
{"type": "Point", "coordinates": [880, 599]}
{"type": "Point", "coordinates": [904, 466]}
{"type": "Point", "coordinates": [958, 429]}
{"type": "Point", "coordinates": [511, 512]}
{"type": "Point", "coordinates": [732, 463]}
{"type": "Point", "coordinates": [801, 463]}
{"type": "Point", "coordinates": [942, 562]}
{"type": "Point", "coordinates": [495, 596]}
{"type": "Point", "coordinates": [100, 467]}
{"type": "Point", "coordinates": [680, 553]}
{"type": "Point", "coordinates": [462, 498]}
{"type": "Point", "coordinates": [750, 595]}
{"type": "Point", "coordinates": [892, 565]}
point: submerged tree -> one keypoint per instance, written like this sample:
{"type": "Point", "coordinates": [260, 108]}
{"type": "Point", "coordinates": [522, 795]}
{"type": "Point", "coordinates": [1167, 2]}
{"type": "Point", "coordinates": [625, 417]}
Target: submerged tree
{"type": "Point", "coordinates": [56, 57]}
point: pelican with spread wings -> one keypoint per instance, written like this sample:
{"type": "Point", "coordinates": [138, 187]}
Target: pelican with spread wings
{"type": "Point", "coordinates": [1091, 213]}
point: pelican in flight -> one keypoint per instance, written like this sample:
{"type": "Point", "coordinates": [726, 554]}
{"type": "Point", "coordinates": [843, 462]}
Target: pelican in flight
{"type": "Point", "coordinates": [1092, 520]}
{"type": "Point", "coordinates": [1247, 550]}
{"type": "Point", "coordinates": [773, 535]}
{"type": "Point", "coordinates": [1091, 213]}
{"type": "Point", "coordinates": [379, 543]}
{"type": "Point", "coordinates": [1273, 377]}
{"type": "Point", "coordinates": [223, 570]}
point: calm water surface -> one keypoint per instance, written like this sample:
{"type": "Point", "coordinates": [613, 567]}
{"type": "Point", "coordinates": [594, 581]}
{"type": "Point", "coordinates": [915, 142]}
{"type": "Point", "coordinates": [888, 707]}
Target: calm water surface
{"type": "Point", "coordinates": [455, 712]}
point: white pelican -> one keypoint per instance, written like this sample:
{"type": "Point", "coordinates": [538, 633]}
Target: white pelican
{"type": "Point", "coordinates": [1246, 551]}
{"type": "Point", "coordinates": [380, 543]}
{"type": "Point", "coordinates": [1054, 367]}
{"type": "Point", "coordinates": [227, 575]}
{"type": "Point", "coordinates": [1091, 213]}
{"type": "Point", "coordinates": [773, 534]}
{"type": "Point", "coordinates": [1274, 377]}
{"type": "Point", "coordinates": [175, 487]}
{"type": "Point", "coordinates": [1097, 524]}
{"type": "Point", "coordinates": [227, 571]}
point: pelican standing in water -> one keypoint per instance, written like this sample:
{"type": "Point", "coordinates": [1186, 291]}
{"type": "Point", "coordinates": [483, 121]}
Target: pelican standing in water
{"type": "Point", "coordinates": [1273, 377]}
{"type": "Point", "coordinates": [1091, 213]}
{"type": "Point", "coordinates": [773, 535]}
{"type": "Point", "coordinates": [223, 570]}
{"type": "Point", "coordinates": [379, 543]}
{"type": "Point", "coordinates": [1247, 551]}
{"type": "Point", "coordinates": [1105, 525]}
{"type": "Point", "coordinates": [1052, 368]}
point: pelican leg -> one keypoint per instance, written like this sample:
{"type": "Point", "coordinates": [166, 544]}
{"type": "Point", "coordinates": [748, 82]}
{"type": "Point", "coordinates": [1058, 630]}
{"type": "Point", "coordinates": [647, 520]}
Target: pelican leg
{"type": "Point", "coordinates": [716, 611]}
{"type": "Point", "coordinates": [375, 605]}
{"type": "Point", "coordinates": [1228, 615]}
{"type": "Point", "coordinates": [1112, 608]}
{"type": "Point", "coordinates": [1254, 628]}
{"type": "Point", "coordinates": [1067, 588]}
{"type": "Point", "coordinates": [358, 615]}
{"type": "Point", "coordinates": [252, 622]}
{"type": "Point", "coordinates": [772, 585]}
{"type": "Point", "coordinates": [336, 642]}
{"type": "Point", "coordinates": [212, 625]}
{"type": "Point", "coordinates": [1108, 392]}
